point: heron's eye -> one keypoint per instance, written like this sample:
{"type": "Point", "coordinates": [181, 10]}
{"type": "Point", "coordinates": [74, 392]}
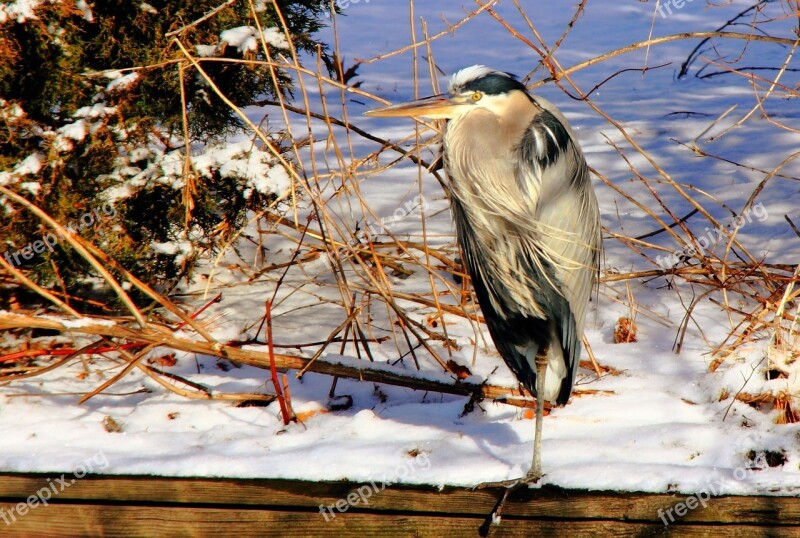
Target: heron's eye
{"type": "Point", "coordinates": [476, 96]}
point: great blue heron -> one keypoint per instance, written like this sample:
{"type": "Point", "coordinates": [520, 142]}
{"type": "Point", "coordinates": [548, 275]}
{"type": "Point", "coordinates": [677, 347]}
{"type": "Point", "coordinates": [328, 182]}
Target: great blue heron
{"type": "Point", "coordinates": [527, 221]}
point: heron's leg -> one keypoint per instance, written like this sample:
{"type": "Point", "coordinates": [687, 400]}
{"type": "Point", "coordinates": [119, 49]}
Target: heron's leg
{"type": "Point", "coordinates": [536, 466]}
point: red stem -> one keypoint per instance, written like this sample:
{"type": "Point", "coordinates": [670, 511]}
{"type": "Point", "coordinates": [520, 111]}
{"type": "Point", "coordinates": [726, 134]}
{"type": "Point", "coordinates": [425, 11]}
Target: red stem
{"type": "Point", "coordinates": [274, 370]}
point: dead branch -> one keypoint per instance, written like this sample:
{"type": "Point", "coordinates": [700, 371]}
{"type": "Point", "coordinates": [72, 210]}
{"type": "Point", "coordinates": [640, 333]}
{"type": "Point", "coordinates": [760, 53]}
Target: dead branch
{"type": "Point", "coordinates": [157, 335]}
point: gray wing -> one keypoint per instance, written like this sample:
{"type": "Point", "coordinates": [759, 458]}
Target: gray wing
{"type": "Point", "coordinates": [533, 253]}
{"type": "Point", "coordinates": [569, 231]}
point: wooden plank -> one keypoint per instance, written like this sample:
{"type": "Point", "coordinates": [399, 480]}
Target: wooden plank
{"type": "Point", "coordinates": [308, 496]}
{"type": "Point", "coordinates": [69, 520]}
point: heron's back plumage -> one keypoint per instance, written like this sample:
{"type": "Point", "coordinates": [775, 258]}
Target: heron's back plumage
{"type": "Point", "coordinates": [528, 224]}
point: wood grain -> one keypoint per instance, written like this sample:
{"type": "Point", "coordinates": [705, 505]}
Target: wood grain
{"type": "Point", "coordinates": [155, 506]}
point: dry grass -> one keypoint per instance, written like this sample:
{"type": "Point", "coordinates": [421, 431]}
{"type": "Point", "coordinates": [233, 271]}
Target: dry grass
{"type": "Point", "coordinates": [324, 219]}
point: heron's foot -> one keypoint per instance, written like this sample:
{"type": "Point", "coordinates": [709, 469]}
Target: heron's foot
{"type": "Point", "coordinates": [508, 484]}
{"type": "Point", "coordinates": [532, 477]}
{"type": "Point", "coordinates": [529, 479]}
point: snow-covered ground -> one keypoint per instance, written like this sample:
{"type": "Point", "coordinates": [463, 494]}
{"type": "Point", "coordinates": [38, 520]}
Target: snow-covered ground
{"type": "Point", "coordinates": [658, 425]}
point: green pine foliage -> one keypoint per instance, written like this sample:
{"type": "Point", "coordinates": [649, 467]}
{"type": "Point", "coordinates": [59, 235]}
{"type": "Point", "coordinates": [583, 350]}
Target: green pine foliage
{"type": "Point", "coordinates": [77, 137]}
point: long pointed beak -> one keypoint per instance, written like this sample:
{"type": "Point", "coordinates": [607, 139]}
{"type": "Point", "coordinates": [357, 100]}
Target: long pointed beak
{"type": "Point", "coordinates": [434, 107]}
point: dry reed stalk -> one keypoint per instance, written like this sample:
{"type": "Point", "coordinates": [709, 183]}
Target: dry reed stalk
{"type": "Point", "coordinates": [327, 204]}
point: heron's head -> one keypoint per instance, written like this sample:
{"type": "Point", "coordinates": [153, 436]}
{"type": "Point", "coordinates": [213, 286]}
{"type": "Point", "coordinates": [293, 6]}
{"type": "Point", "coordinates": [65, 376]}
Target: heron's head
{"type": "Point", "coordinates": [470, 89]}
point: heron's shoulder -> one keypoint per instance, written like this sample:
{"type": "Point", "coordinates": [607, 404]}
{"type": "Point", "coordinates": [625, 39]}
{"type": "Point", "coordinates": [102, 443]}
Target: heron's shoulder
{"type": "Point", "coordinates": [546, 139]}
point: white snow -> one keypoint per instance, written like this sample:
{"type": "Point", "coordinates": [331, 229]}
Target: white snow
{"type": "Point", "coordinates": [20, 11]}
{"type": "Point", "coordinates": [121, 82]}
{"type": "Point", "coordinates": [10, 111]}
{"type": "Point", "coordinates": [30, 165]}
{"type": "Point", "coordinates": [277, 180]}
{"type": "Point", "coordinates": [664, 423]}
{"type": "Point", "coordinates": [245, 38]}
{"type": "Point", "coordinates": [76, 131]}
{"type": "Point", "coordinates": [170, 249]}
{"type": "Point", "coordinates": [275, 37]}
{"type": "Point", "coordinates": [147, 8]}
{"type": "Point", "coordinates": [32, 187]}
{"type": "Point", "coordinates": [184, 248]}
{"type": "Point", "coordinates": [205, 51]}
{"type": "Point", "coordinates": [84, 8]}
{"type": "Point", "coordinates": [97, 110]}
